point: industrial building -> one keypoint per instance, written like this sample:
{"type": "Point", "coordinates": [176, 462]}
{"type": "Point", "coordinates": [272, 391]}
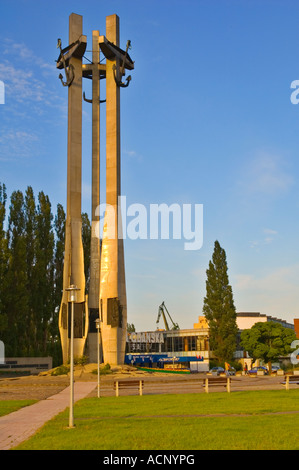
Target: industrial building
{"type": "Point", "coordinates": [184, 348]}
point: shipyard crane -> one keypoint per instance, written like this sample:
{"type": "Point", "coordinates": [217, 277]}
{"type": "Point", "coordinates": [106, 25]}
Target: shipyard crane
{"type": "Point", "coordinates": [161, 311]}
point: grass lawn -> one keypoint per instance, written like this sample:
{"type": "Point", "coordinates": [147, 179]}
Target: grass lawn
{"type": "Point", "coordinates": [239, 420]}
{"type": "Point", "coordinates": [8, 406]}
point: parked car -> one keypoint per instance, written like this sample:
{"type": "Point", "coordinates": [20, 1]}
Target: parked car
{"type": "Point", "coordinates": [232, 371]}
{"type": "Point", "coordinates": [254, 370]}
{"type": "Point", "coordinates": [217, 370]}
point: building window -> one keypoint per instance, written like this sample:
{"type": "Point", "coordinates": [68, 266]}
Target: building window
{"type": "Point", "coordinates": [192, 343]}
{"type": "Point", "coordinates": [178, 344]}
{"type": "Point", "coordinates": [202, 343]}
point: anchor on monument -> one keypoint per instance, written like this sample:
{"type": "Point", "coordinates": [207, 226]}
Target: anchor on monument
{"type": "Point", "coordinates": [90, 100]}
{"type": "Point", "coordinates": [113, 52]}
{"type": "Point", "coordinates": [76, 49]}
{"type": "Point", "coordinates": [69, 71]}
{"type": "Point", "coordinates": [122, 70]}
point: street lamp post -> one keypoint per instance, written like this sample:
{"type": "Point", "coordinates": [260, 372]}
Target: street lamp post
{"type": "Point", "coordinates": [72, 299]}
{"type": "Point", "coordinates": [97, 322]}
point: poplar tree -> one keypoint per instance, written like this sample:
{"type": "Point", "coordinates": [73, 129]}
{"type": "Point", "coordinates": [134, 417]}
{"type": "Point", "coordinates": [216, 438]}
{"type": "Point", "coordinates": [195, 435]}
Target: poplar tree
{"type": "Point", "coordinates": [31, 273]}
{"type": "Point", "coordinates": [44, 271]}
{"type": "Point", "coordinates": [15, 284]}
{"type": "Point", "coordinates": [219, 308]}
{"type": "Point", "coordinates": [30, 240]}
{"type": "Point", "coordinates": [59, 225]}
{"type": "Point", "coordinates": [86, 238]}
{"type": "Point", "coordinates": [54, 347]}
{"type": "Point", "coordinates": [3, 257]}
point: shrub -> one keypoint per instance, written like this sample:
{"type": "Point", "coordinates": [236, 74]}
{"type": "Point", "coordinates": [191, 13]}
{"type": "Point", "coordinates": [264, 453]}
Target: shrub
{"type": "Point", "coordinates": [61, 370]}
{"type": "Point", "coordinates": [81, 361]}
{"type": "Point", "coordinates": [106, 369]}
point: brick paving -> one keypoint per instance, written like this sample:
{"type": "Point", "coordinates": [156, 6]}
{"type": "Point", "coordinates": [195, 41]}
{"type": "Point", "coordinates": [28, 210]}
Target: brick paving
{"type": "Point", "coordinates": [18, 426]}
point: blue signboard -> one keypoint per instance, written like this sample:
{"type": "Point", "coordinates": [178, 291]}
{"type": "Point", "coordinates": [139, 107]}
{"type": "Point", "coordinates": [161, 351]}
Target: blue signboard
{"type": "Point", "coordinates": [142, 358]}
{"type": "Point", "coordinates": [159, 358]}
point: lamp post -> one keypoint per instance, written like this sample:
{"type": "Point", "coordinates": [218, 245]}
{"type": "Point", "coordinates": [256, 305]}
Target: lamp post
{"type": "Point", "coordinates": [72, 299]}
{"type": "Point", "coordinates": [97, 322]}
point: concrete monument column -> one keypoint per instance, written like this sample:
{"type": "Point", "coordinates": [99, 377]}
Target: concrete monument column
{"type": "Point", "coordinates": [107, 287]}
{"type": "Point", "coordinates": [112, 286]}
{"type": "Point", "coordinates": [74, 260]}
{"type": "Point", "coordinates": [94, 282]}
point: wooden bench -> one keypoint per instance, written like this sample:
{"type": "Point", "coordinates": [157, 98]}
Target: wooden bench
{"type": "Point", "coordinates": [125, 384]}
{"type": "Point", "coordinates": [290, 379]}
{"type": "Point", "coordinates": [217, 381]}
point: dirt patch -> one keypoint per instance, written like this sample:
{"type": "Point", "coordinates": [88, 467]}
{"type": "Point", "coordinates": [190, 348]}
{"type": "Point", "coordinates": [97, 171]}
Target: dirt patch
{"type": "Point", "coordinates": [40, 387]}
{"type": "Point", "coordinates": [31, 387]}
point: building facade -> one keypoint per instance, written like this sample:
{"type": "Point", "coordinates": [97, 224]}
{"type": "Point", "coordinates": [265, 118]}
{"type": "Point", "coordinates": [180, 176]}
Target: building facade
{"type": "Point", "coordinates": [185, 348]}
{"type": "Point", "coordinates": [246, 320]}
{"type": "Point", "coordinates": [164, 349]}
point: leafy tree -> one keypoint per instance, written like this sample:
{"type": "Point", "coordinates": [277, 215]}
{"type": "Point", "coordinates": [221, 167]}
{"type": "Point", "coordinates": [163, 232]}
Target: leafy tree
{"type": "Point", "coordinates": [86, 239]}
{"type": "Point", "coordinates": [15, 283]}
{"type": "Point", "coordinates": [30, 240]}
{"type": "Point", "coordinates": [44, 271]}
{"type": "Point", "coordinates": [219, 308]}
{"type": "Point", "coordinates": [267, 341]}
{"type": "Point", "coordinates": [59, 226]}
{"type": "Point", "coordinates": [130, 328]}
{"type": "Point", "coordinates": [3, 256]}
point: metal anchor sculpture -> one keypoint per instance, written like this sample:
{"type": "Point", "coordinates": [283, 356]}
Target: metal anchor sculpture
{"type": "Point", "coordinates": [90, 101]}
{"type": "Point", "coordinates": [122, 70]}
{"type": "Point", "coordinates": [69, 70]}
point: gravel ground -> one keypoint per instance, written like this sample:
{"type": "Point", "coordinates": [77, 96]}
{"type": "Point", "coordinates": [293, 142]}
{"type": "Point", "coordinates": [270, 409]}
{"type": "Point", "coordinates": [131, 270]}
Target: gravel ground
{"type": "Point", "coordinates": [43, 386]}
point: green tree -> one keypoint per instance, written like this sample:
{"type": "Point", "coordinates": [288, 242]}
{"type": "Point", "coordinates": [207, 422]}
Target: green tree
{"type": "Point", "coordinates": [15, 283]}
{"type": "Point", "coordinates": [3, 258]}
{"type": "Point", "coordinates": [219, 308]}
{"type": "Point", "coordinates": [59, 226]}
{"type": "Point", "coordinates": [267, 341]}
{"type": "Point", "coordinates": [86, 240]}
{"type": "Point", "coordinates": [30, 240]}
{"type": "Point", "coordinates": [130, 328]}
{"type": "Point", "coordinates": [44, 267]}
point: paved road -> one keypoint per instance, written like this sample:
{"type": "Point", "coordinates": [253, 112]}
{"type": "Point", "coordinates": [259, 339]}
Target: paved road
{"type": "Point", "coordinates": [18, 426]}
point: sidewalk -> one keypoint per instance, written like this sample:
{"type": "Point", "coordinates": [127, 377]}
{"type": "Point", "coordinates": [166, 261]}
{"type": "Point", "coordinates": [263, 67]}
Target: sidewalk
{"type": "Point", "coordinates": [18, 426]}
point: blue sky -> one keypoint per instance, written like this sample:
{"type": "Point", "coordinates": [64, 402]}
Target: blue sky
{"type": "Point", "coordinates": [207, 119]}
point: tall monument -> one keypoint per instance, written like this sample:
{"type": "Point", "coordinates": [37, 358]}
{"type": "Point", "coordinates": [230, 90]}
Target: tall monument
{"type": "Point", "coordinates": [93, 72]}
{"type": "Point", "coordinates": [106, 299]}
{"type": "Point", "coordinates": [112, 277]}
{"type": "Point", "coordinates": [70, 59]}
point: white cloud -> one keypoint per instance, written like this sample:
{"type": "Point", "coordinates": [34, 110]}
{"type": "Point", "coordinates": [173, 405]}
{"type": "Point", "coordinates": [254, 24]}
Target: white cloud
{"type": "Point", "coordinates": [266, 174]}
{"type": "Point", "coordinates": [26, 77]}
{"type": "Point", "coordinates": [133, 154]}
{"type": "Point", "coordinates": [30, 96]}
{"type": "Point", "coordinates": [270, 231]}
{"type": "Point", "coordinates": [13, 48]}
{"type": "Point", "coordinates": [20, 52]}
{"type": "Point", "coordinates": [267, 238]}
{"type": "Point", "coordinates": [16, 144]}
{"type": "Point", "coordinates": [276, 293]}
